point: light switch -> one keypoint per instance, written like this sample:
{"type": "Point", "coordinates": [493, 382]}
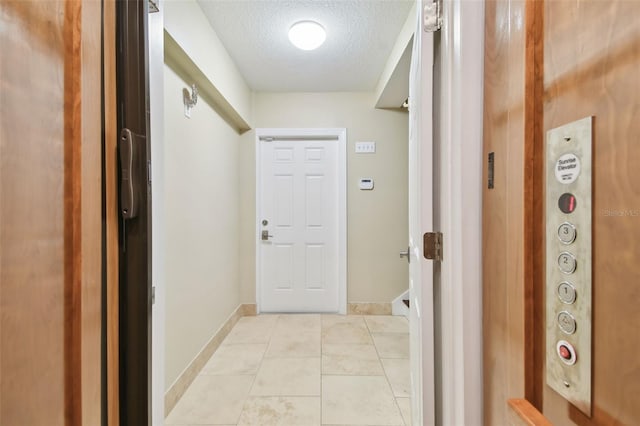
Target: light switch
{"type": "Point", "coordinates": [365, 147]}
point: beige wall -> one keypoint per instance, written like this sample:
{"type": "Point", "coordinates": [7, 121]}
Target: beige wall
{"type": "Point", "coordinates": [189, 27]}
{"type": "Point", "coordinates": [377, 220]}
{"type": "Point", "coordinates": [201, 205]}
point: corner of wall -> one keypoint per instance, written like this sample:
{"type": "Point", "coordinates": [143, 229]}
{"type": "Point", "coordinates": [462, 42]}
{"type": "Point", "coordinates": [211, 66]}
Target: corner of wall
{"type": "Point", "coordinates": [189, 29]}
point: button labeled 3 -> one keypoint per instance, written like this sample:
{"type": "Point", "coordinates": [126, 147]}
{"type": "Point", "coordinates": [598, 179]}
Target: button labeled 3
{"type": "Point", "coordinates": [567, 233]}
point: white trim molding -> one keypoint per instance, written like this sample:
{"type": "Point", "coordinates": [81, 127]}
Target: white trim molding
{"type": "Point", "coordinates": [460, 139]}
{"type": "Point", "coordinates": [340, 135]}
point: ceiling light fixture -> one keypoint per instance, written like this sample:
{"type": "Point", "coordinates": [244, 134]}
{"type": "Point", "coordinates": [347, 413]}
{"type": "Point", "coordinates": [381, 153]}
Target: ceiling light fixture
{"type": "Point", "coordinates": [307, 35]}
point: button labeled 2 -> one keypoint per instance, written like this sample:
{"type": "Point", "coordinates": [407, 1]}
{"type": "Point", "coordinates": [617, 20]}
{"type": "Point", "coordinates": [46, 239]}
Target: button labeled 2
{"type": "Point", "coordinates": [567, 262]}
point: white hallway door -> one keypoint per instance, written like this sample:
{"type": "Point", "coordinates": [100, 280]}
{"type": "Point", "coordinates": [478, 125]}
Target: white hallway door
{"type": "Point", "coordinates": [299, 214]}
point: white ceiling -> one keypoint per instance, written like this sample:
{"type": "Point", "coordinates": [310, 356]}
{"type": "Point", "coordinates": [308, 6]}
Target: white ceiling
{"type": "Point", "coordinates": [360, 36]}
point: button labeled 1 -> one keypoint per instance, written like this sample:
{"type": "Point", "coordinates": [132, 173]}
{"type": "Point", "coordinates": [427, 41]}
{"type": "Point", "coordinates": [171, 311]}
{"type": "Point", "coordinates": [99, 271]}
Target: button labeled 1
{"type": "Point", "coordinates": [566, 293]}
{"type": "Point", "coordinates": [567, 262]}
{"type": "Point", "coordinates": [567, 233]}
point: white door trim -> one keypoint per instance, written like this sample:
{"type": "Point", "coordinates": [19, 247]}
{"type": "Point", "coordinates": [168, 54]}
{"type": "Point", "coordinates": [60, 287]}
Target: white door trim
{"type": "Point", "coordinates": [340, 135]}
{"type": "Point", "coordinates": [159, 225]}
{"type": "Point", "coordinates": [461, 160]}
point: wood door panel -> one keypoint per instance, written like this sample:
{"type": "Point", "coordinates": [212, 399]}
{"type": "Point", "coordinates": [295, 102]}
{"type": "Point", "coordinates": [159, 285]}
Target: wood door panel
{"type": "Point", "coordinates": [50, 240]}
{"type": "Point", "coordinates": [592, 67]}
{"type": "Point", "coordinates": [31, 222]}
{"type": "Point", "coordinates": [503, 226]}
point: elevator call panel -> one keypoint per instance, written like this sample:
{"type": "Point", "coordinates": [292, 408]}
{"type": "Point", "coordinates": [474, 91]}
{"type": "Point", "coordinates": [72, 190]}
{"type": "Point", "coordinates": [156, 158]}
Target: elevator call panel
{"type": "Point", "coordinates": [568, 261]}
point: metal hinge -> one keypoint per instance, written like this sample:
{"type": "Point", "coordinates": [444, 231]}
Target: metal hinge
{"type": "Point", "coordinates": [432, 17]}
{"type": "Point", "coordinates": [153, 295]}
{"type": "Point", "coordinates": [432, 245]}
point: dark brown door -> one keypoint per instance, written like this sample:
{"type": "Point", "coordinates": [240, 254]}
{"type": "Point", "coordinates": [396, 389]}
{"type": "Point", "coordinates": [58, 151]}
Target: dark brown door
{"type": "Point", "coordinates": [50, 212]}
{"type": "Point", "coordinates": [135, 213]}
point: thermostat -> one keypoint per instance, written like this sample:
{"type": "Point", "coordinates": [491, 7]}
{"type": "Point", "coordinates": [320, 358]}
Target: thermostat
{"type": "Point", "coordinates": [366, 184]}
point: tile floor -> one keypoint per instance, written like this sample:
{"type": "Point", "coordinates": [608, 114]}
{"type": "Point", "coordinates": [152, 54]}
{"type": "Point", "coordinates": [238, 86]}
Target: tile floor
{"type": "Point", "coordinates": [304, 370]}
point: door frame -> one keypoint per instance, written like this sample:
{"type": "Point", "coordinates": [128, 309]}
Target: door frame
{"type": "Point", "coordinates": [340, 134]}
{"type": "Point", "coordinates": [460, 121]}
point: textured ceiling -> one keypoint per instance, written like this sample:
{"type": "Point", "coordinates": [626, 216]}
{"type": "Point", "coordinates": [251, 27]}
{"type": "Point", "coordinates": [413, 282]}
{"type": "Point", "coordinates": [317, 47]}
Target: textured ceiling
{"type": "Point", "coordinates": [360, 36]}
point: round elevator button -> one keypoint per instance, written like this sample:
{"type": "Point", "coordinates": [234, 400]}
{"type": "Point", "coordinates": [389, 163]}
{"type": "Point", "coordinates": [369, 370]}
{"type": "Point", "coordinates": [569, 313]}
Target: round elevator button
{"type": "Point", "coordinates": [567, 322]}
{"type": "Point", "coordinates": [567, 293]}
{"type": "Point", "coordinates": [566, 352]}
{"type": "Point", "coordinates": [567, 262]}
{"type": "Point", "coordinates": [567, 233]}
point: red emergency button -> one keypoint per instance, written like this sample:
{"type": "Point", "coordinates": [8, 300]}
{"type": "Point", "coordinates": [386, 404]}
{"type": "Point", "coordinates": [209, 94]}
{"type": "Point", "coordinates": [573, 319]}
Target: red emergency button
{"type": "Point", "coordinates": [566, 352]}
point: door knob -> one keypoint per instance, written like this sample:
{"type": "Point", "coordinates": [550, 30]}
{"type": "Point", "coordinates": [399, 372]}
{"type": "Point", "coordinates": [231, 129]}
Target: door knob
{"type": "Point", "coordinates": [265, 235]}
{"type": "Point", "coordinates": [406, 254]}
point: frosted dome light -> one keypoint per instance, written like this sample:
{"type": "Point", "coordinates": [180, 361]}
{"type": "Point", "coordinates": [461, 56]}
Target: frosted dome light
{"type": "Point", "coordinates": [307, 35]}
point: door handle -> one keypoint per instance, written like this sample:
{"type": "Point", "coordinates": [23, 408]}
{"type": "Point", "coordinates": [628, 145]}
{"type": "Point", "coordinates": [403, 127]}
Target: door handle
{"type": "Point", "coordinates": [407, 254]}
{"type": "Point", "coordinates": [128, 184]}
{"type": "Point", "coordinates": [265, 235]}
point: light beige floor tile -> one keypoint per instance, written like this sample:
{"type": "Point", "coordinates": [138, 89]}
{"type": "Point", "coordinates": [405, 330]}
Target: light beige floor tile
{"type": "Point", "coordinates": [387, 323]}
{"type": "Point", "coordinates": [397, 371]}
{"type": "Point", "coordinates": [392, 345]}
{"type": "Point", "coordinates": [287, 377]}
{"type": "Point", "coordinates": [330, 319]}
{"type": "Point", "coordinates": [302, 345]}
{"type": "Point", "coordinates": [405, 409]}
{"type": "Point", "coordinates": [345, 329]}
{"type": "Point", "coordinates": [215, 400]}
{"type": "Point", "coordinates": [348, 359]}
{"type": "Point", "coordinates": [291, 325]}
{"type": "Point", "coordinates": [256, 329]}
{"type": "Point", "coordinates": [237, 359]}
{"type": "Point", "coordinates": [358, 400]}
{"type": "Point", "coordinates": [281, 411]}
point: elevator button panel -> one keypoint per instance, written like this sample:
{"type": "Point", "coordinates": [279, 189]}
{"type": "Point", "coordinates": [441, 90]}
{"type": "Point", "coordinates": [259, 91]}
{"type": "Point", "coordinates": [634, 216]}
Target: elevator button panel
{"type": "Point", "coordinates": [568, 195]}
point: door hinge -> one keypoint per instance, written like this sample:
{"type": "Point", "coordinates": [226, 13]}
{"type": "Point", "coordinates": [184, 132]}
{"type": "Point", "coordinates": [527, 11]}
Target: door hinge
{"type": "Point", "coordinates": [432, 245]}
{"type": "Point", "coordinates": [432, 17]}
{"type": "Point", "coordinates": [153, 295]}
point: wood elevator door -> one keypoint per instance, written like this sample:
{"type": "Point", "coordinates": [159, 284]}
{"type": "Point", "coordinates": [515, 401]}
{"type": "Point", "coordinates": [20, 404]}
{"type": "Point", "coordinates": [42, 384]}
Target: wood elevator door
{"type": "Point", "coordinates": [50, 212]}
{"type": "Point", "coordinates": [547, 64]}
{"type": "Point", "coordinates": [592, 67]}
